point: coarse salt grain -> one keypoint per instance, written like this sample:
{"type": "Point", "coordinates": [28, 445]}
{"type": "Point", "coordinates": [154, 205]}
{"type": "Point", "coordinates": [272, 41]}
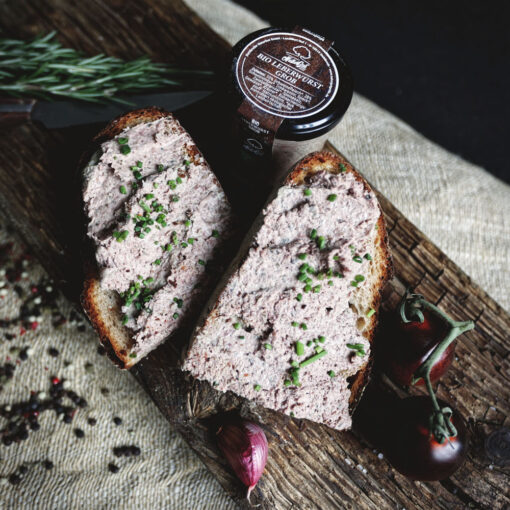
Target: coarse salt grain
{"type": "Point", "coordinates": [30, 351]}
{"type": "Point", "coordinates": [38, 300]}
{"type": "Point", "coordinates": [348, 461]}
{"type": "Point", "coordinates": [380, 456]}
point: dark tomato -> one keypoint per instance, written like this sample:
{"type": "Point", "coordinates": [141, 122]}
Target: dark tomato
{"type": "Point", "coordinates": [408, 345]}
{"type": "Point", "coordinates": [414, 451]}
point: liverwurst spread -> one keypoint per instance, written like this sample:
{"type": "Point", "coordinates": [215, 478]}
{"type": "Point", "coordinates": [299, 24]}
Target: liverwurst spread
{"type": "Point", "coordinates": [282, 332]}
{"type": "Point", "coordinates": [156, 214]}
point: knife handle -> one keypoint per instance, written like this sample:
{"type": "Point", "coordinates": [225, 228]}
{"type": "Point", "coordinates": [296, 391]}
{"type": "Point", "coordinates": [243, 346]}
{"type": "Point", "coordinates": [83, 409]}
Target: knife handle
{"type": "Point", "coordinates": [14, 111]}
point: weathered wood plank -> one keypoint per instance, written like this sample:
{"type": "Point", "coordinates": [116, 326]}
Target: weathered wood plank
{"type": "Point", "coordinates": [310, 466]}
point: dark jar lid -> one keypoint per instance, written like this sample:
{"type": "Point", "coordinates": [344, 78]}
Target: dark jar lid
{"type": "Point", "coordinates": [316, 124]}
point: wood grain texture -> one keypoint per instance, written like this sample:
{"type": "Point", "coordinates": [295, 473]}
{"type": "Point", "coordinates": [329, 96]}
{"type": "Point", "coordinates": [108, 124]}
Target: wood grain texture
{"type": "Point", "coordinates": [310, 466]}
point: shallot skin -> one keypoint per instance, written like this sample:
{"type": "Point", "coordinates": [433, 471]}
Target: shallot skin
{"type": "Point", "coordinates": [244, 445]}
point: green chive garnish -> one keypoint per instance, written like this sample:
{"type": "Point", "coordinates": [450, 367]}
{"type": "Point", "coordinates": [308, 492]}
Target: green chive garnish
{"type": "Point", "coordinates": [342, 167]}
{"type": "Point", "coordinates": [322, 339]}
{"type": "Point", "coordinates": [307, 192]}
{"type": "Point", "coordinates": [299, 297]}
{"type": "Point", "coordinates": [368, 256]}
{"type": "Point", "coordinates": [269, 347]}
{"type": "Point", "coordinates": [139, 164]}
{"type": "Point", "coordinates": [201, 262]}
{"type": "Point", "coordinates": [187, 223]}
{"type": "Point", "coordinates": [359, 278]}
{"type": "Point", "coordinates": [215, 233]}
{"type": "Point", "coordinates": [178, 180]}
{"type": "Point", "coordinates": [237, 325]}
{"type": "Point", "coordinates": [303, 326]}
{"type": "Point", "coordinates": [137, 175]}
{"type": "Point", "coordinates": [286, 382]}
{"type": "Point", "coordinates": [332, 197]}
{"type": "Point", "coordinates": [257, 387]}
{"type": "Point", "coordinates": [175, 198]}
{"type": "Point", "coordinates": [294, 324]}
{"type": "Point", "coordinates": [300, 348]}
{"type": "Point", "coordinates": [317, 289]}
{"type": "Point", "coordinates": [321, 242]}
{"type": "Point", "coordinates": [331, 373]}
{"type": "Point", "coordinates": [357, 259]}
{"type": "Point", "coordinates": [358, 348]}
{"type": "Point", "coordinates": [123, 190]}
{"type": "Point", "coordinates": [315, 357]}
{"type": "Point", "coordinates": [307, 288]}
{"type": "Point", "coordinates": [122, 140]}
{"type": "Point", "coordinates": [157, 262]}
{"type": "Point", "coordinates": [175, 315]}
{"type": "Point", "coordinates": [125, 149]}
{"type": "Point", "coordinates": [302, 256]}
{"type": "Point", "coordinates": [313, 234]}
{"type": "Point", "coordinates": [160, 168]}
{"type": "Point", "coordinates": [124, 319]}
{"type": "Point", "coordinates": [241, 337]}
{"type": "Point", "coordinates": [370, 312]}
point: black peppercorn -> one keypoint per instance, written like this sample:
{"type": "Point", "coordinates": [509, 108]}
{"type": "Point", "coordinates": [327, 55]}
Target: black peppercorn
{"type": "Point", "coordinates": [113, 468]}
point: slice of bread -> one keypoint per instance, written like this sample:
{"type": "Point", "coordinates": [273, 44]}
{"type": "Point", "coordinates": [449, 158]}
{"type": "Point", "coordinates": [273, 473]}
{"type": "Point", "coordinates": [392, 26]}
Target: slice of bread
{"type": "Point", "coordinates": [176, 218]}
{"type": "Point", "coordinates": [262, 332]}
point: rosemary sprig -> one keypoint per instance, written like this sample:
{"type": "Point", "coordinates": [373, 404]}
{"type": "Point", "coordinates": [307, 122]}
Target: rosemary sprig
{"type": "Point", "coordinates": [43, 68]}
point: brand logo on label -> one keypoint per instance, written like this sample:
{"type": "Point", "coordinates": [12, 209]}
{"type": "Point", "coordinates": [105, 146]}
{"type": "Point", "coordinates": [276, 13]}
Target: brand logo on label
{"type": "Point", "coordinates": [298, 58]}
{"type": "Point", "coordinates": [254, 144]}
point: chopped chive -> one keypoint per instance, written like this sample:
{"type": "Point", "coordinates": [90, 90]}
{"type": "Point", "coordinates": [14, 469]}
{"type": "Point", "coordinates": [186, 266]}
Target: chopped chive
{"type": "Point", "coordinates": [303, 326]}
{"type": "Point", "coordinates": [175, 315]}
{"type": "Point", "coordinates": [319, 349]}
{"type": "Point", "coordinates": [307, 192]}
{"type": "Point", "coordinates": [299, 297]}
{"type": "Point", "coordinates": [137, 175]}
{"type": "Point", "coordinates": [307, 288]}
{"type": "Point", "coordinates": [359, 278]}
{"type": "Point", "coordinates": [160, 168]}
{"type": "Point", "coordinates": [123, 190]}
{"type": "Point", "coordinates": [171, 184]}
{"type": "Point", "coordinates": [184, 245]}
{"type": "Point", "coordinates": [313, 234]}
{"type": "Point", "coordinates": [175, 198]}
{"type": "Point", "coordinates": [155, 185]}
{"type": "Point", "coordinates": [187, 223]}
{"type": "Point", "coordinates": [332, 197]}
{"type": "Point", "coordinates": [286, 382]}
{"type": "Point", "coordinates": [336, 257]}
{"type": "Point", "coordinates": [237, 325]}
{"type": "Point", "coordinates": [300, 348]}
{"type": "Point", "coordinates": [215, 233]}
{"type": "Point", "coordinates": [368, 256]}
{"type": "Point", "coordinates": [308, 280]}
{"type": "Point", "coordinates": [132, 355]}
{"type": "Point", "coordinates": [302, 256]}
{"type": "Point", "coordinates": [321, 242]}
{"type": "Point", "coordinates": [124, 319]}
{"type": "Point", "coordinates": [191, 240]}
{"type": "Point", "coordinates": [357, 259]}
{"type": "Point", "coordinates": [257, 387]}
{"type": "Point", "coordinates": [294, 324]}
{"type": "Point", "coordinates": [342, 167]}
{"type": "Point", "coordinates": [168, 247]}
{"type": "Point", "coordinates": [157, 262]}
{"type": "Point", "coordinates": [302, 277]}
{"type": "Point", "coordinates": [122, 140]}
{"type": "Point", "coordinates": [241, 337]}
{"type": "Point", "coordinates": [150, 279]}
{"type": "Point", "coordinates": [309, 343]}
{"type": "Point", "coordinates": [314, 358]}
{"type": "Point", "coordinates": [178, 180]}
{"type": "Point", "coordinates": [139, 164]}
{"type": "Point", "coordinates": [354, 284]}
{"type": "Point", "coordinates": [358, 348]}
{"type": "Point", "coordinates": [148, 196]}
{"type": "Point", "coordinates": [370, 312]}
{"type": "Point", "coordinates": [187, 162]}
{"type": "Point", "coordinates": [294, 364]}
{"type": "Point", "coordinates": [331, 374]}
{"type": "Point", "coordinates": [322, 339]}
{"type": "Point", "coordinates": [125, 149]}
{"type": "Point", "coordinates": [294, 374]}
{"type": "Point", "coordinates": [338, 274]}
{"type": "Point", "coordinates": [317, 289]}
{"type": "Point", "coordinates": [330, 282]}
{"type": "Point", "coordinates": [201, 262]}
{"type": "Point", "coordinates": [269, 347]}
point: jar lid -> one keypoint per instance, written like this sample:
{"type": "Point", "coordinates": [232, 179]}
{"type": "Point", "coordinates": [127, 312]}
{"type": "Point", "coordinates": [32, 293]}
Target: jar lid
{"type": "Point", "coordinates": [275, 60]}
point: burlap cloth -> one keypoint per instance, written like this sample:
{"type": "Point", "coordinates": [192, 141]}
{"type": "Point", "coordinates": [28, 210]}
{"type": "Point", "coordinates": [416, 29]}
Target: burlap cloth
{"type": "Point", "coordinates": [459, 206]}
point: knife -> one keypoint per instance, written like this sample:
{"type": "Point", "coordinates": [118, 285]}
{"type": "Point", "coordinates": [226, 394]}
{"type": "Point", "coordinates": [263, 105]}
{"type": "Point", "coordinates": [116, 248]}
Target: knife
{"type": "Point", "coordinates": [60, 114]}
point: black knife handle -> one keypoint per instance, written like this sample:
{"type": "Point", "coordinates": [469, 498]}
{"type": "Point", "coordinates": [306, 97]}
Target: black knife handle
{"type": "Point", "coordinates": [15, 111]}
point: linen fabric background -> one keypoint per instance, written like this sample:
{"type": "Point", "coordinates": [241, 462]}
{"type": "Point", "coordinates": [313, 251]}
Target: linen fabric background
{"type": "Point", "coordinates": [462, 208]}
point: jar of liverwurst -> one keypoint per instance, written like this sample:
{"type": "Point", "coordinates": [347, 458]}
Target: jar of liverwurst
{"type": "Point", "coordinates": [289, 89]}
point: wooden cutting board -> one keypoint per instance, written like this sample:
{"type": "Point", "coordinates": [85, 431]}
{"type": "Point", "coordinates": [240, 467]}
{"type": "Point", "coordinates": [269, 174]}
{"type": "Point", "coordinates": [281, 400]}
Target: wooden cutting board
{"type": "Point", "coordinates": [310, 466]}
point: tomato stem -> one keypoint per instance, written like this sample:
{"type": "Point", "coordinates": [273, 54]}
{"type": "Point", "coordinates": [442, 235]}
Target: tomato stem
{"type": "Point", "coordinates": [412, 304]}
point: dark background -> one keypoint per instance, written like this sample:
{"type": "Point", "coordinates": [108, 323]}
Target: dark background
{"type": "Point", "coordinates": [441, 66]}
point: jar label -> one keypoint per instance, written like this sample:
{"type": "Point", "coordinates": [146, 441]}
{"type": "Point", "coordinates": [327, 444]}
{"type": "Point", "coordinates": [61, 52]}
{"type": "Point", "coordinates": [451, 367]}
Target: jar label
{"type": "Point", "coordinates": [288, 74]}
{"type": "Point", "coordinates": [282, 75]}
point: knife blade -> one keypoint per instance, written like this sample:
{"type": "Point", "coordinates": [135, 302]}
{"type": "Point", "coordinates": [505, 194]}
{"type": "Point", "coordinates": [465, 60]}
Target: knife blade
{"type": "Point", "coordinates": [60, 114]}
